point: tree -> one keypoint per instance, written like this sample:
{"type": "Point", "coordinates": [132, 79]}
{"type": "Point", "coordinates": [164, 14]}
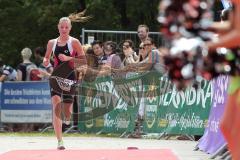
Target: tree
{"type": "Point", "coordinates": [32, 23]}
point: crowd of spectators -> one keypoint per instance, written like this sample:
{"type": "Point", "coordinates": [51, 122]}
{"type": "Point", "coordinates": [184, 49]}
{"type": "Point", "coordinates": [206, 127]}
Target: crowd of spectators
{"type": "Point", "coordinates": [103, 58]}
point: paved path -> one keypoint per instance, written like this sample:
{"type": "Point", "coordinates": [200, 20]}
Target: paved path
{"type": "Point", "coordinates": [183, 149]}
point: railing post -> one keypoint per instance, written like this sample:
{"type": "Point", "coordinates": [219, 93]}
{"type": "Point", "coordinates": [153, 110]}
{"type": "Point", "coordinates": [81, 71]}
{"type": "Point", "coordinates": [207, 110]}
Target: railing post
{"type": "Point", "coordinates": [83, 36]}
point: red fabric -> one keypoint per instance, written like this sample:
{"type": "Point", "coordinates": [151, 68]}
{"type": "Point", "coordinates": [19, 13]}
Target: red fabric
{"type": "Point", "coordinates": [230, 124]}
{"type": "Point", "coordinates": [236, 1]}
{"type": "Point", "coordinates": [34, 75]}
{"type": "Point", "coordinates": [145, 154]}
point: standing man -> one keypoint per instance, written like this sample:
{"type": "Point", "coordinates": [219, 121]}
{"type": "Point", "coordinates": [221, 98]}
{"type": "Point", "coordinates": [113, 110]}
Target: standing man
{"type": "Point", "coordinates": [143, 31]}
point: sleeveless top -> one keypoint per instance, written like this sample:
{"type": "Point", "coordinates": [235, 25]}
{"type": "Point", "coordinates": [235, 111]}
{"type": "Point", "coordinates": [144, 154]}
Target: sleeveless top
{"type": "Point", "coordinates": [66, 50]}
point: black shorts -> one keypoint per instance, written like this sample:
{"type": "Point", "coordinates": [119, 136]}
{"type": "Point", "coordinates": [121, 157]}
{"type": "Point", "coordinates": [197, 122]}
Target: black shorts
{"type": "Point", "coordinates": [65, 98]}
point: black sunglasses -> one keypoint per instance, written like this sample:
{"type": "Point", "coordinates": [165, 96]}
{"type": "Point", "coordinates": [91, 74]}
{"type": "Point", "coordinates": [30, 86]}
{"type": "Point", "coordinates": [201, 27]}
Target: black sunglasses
{"type": "Point", "coordinates": [141, 47]}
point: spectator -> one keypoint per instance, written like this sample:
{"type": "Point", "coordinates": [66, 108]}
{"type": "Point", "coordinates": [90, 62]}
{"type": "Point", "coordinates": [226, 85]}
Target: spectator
{"type": "Point", "coordinates": [109, 63]}
{"type": "Point", "coordinates": [143, 56]}
{"type": "Point", "coordinates": [113, 62]}
{"type": "Point", "coordinates": [45, 72]}
{"type": "Point", "coordinates": [130, 55]}
{"type": "Point", "coordinates": [154, 57]}
{"type": "Point", "coordinates": [23, 74]}
{"type": "Point", "coordinates": [97, 47]}
{"type": "Point", "coordinates": [7, 73]}
{"type": "Point", "coordinates": [143, 31]}
{"type": "Point", "coordinates": [92, 59]}
{"type": "Point", "coordinates": [23, 69]}
{"type": "Point", "coordinates": [150, 59]}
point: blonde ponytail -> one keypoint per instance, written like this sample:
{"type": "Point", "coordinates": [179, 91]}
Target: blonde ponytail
{"type": "Point", "coordinates": [79, 17]}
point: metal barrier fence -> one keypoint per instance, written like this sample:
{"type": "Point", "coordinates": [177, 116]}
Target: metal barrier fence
{"type": "Point", "coordinates": [117, 36]}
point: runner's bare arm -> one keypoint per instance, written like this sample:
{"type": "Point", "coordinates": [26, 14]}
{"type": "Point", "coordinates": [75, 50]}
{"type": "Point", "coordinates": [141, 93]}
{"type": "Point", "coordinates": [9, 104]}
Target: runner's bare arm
{"type": "Point", "coordinates": [232, 38]}
{"type": "Point", "coordinates": [46, 59]}
{"type": "Point", "coordinates": [78, 47]}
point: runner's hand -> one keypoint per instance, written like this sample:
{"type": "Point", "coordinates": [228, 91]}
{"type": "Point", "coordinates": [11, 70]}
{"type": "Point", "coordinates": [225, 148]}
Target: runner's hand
{"type": "Point", "coordinates": [64, 58]}
{"type": "Point", "coordinates": [46, 62]}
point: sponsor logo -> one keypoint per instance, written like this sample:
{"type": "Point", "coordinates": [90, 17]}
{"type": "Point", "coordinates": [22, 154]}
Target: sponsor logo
{"type": "Point", "coordinates": [65, 84]}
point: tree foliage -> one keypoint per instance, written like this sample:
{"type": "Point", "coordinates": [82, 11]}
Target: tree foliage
{"type": "Point", "coordinates": [31, 23]}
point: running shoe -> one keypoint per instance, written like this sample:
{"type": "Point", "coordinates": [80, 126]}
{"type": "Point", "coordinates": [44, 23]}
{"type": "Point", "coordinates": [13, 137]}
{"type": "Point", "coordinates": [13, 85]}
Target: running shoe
{"type": "Point", "coordinates": [60, 145]}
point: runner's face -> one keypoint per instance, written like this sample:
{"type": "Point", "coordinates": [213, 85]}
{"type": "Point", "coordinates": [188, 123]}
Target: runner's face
{"type": "Point", "coordinates": [64, 28]}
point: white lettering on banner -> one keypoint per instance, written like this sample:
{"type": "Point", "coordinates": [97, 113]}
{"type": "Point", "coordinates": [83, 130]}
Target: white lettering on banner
{"type": "Point", "coordinates": [20, 92]}
{"type": "Point", "coordinates": [151, 108]}
{"type": "Point", "coordinates": [21, 101]}
{"type": "Point", "coordinates": [6, 101]}
{"type": "Point", "coordinates": [186, 121]}
{"type": "Point", "coordinates": [203, 96]}
{"type": "Point", "coordinates": [102, 98]}
{"type": "Point", "coordinates": [105, 96]}
{"type": "Point", "coordinates": [189, 97]}
{"type": "Point", "coordinates": [14, 92]}
{"type": "Point", "coordinates": [95, 102]}
{"type": "Point", "coordinates": [176, 100]}
{"type": "Point", "coordinates": [167, 98]}
{"type": "Point", "coordinates": [6, 92]}
{"type": "Point", "coordinates": [105, 86]}
{"type": "Point", "coordinates": [121, 104]}
{"type": "Point", "coordinates": [23, 116]}
{"type": "Point", "coordinates": [31, 101]}
{"type": "Point", "coordinates": [172, 119]}
{"type": "Point", "coordinates": [121, 121]}
{"type": "Point", "coordinates": [31, 92]}
{"type": "Point", "coordinates": [131, 92]}
{"type": "Point", "coordinates": [221, 85]}
{"type": "Point", "coordinates": [16, 101]}
{"type": "Point", "coordinates": [47, 101]}
{"type": "Point", "coordinates": [214, 125]}
{"type": "Point", "coordinates": [109, 122]}
{"type": "Point", "coordinates": [45, 92]}
{"type": "Point", "coordinates": [39, 101]}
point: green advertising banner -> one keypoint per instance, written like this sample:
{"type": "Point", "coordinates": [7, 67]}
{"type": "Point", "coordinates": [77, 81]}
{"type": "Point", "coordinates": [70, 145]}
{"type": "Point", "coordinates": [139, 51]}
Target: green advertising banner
{"type": "Point", "coordinates": [113, 105]}
{"type": "Point", "coordinates": [115, 113]}
{"type": "Point", "coordinates": [184, 112]}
